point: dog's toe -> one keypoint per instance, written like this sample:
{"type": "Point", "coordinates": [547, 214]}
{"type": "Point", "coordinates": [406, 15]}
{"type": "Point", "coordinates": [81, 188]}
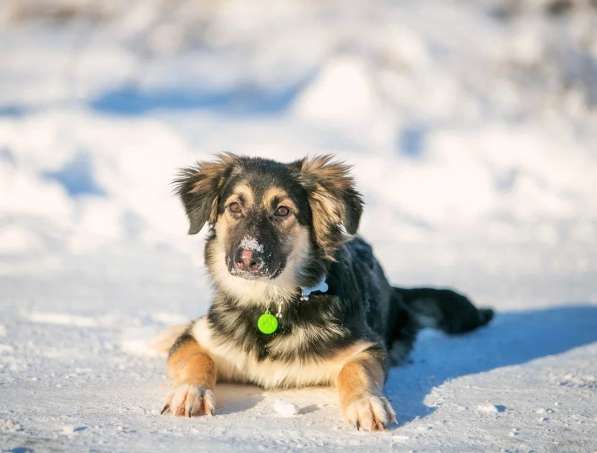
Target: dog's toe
{"type": "Point", "coordinates": [370, 413]}
{"type": "Point", "coordinates": [189, 400]}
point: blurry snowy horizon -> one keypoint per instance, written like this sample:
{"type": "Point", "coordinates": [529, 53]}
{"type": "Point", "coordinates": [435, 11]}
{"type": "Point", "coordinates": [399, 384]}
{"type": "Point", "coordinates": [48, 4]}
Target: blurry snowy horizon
{"type": "Point", "coordinates": [470, 126]}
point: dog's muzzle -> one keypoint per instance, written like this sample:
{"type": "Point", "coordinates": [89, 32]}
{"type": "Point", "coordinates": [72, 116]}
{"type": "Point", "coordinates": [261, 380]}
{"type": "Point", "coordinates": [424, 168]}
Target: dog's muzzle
{"type": "Point", "coordinates": [249, 264]}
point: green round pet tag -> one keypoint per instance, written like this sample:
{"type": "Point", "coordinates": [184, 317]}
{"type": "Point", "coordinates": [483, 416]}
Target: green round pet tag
{"type": "Point", "coordinates": [267, 323]}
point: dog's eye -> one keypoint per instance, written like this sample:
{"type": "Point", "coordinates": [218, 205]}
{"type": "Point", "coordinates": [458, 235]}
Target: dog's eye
{"type": "Point", "coordinates": [282, 211]}
{"type": "Point", "coordinates": [235, 207]}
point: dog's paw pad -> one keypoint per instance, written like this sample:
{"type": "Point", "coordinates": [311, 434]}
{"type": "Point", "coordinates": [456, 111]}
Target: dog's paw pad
{"type": "Point", "coordinates": [370, 413]}
{"type": "Point", "coordinates": [188, 400]}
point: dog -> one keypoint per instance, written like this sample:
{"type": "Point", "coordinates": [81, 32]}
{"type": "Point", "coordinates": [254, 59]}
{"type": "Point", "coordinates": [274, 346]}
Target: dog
{"type": "Point", "coordinates": [299, 298]}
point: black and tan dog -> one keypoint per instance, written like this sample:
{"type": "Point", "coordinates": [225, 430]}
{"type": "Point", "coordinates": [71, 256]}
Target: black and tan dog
{"type": "Point", "coordinates": [299, 299]}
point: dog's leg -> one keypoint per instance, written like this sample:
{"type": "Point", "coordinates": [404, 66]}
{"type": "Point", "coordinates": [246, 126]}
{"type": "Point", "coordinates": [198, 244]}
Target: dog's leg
{"type": "Point", "coordinates": [193, 374]}
{"type": "Point", "coordinates": [360, 385]}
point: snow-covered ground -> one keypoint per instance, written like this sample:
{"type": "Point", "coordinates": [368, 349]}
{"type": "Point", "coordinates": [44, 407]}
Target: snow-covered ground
{"type": "Point", "coordinates": [471, 128]}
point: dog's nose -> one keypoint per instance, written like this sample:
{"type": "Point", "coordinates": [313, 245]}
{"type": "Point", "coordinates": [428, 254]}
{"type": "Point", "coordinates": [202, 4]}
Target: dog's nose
{"type": "Point", "coordinates": [248, 261]}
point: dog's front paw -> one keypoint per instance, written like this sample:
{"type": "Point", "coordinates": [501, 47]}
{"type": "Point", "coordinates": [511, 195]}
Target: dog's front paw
{"type": "Point", "coordinates": [189, 400]}
{"type": "Point", "coordinates": [369, 412]}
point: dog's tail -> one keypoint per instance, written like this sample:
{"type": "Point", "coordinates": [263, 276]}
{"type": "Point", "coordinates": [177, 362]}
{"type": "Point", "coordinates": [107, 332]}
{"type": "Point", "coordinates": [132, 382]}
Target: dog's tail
{"type": "Point", "coordinates": [442, 309]}
{"type": "Point", "coordinates": [164, 341]}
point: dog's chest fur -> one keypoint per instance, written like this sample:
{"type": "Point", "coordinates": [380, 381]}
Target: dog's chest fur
{"type": "Point", "coordinates": [282, 361]}
{"type": "Point", "coordinates": [307, 329]}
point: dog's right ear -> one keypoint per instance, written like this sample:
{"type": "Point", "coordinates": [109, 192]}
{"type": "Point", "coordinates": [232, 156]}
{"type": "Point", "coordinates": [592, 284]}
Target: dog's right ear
{"type": "Point", "coordinates": [336, 205]}
{"type": "Point", "coordinates": [199, 187]}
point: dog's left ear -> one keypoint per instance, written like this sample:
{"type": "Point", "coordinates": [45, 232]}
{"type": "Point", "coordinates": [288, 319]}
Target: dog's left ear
{"type": "Point", "coordinates": [335, 204]}
{"type": "Point", "coordinates": [199, 186]}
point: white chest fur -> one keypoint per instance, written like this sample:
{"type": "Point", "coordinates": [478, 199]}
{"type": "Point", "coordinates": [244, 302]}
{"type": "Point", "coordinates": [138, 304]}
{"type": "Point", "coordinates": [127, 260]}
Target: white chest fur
{"type": "Point", "coordinates": [234, 364]}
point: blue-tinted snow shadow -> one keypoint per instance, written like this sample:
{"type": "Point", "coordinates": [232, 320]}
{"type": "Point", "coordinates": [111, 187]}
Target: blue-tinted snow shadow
{"type": "Point", "coordinates": [13, 110]}
{"type": "Point", "coordinates": [77, 176]}
{"type": "Point", "coordinates": [411, 140]}
{"type": "Point", "coordinates": [512, 338]}
{"type": "Point", "coordinates": [131, 100]}
{"type": "Point", "coordinates": [234, 398]}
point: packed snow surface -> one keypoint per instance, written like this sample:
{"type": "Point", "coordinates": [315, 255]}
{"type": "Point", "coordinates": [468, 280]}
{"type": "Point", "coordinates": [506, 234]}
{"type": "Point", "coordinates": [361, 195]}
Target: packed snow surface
{"type": "Point", "coordinates": [471, 129]}
{"type": "Point", "coordinates": [285, 408]}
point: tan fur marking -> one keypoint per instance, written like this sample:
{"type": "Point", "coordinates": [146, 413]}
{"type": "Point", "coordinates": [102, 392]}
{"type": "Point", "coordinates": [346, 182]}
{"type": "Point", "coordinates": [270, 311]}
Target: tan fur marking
{"type": "Point", "coordinates": [360, 387]}
{"type": "Point", "coordinates": [212, 180]}
{"type": "Point", "coordinates": [363, 374]}
{"type": "Point", "coordinates": [273, 192]}
{"type": "Point", "coordinates": [190, 364]}
{"type": "Point", "coordinates": [222, 227]}
{"type": "Point", "coordinates": [325, 168]}
{"type": "Point", "coordinates": [335, 204]}
{"type": "Point", "coordinates": [242, 191]}
{"type": "Point", "coordinates": [327, 212]}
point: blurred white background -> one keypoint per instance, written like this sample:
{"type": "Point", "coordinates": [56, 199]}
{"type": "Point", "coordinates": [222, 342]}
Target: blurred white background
{"type": "Point", "coordinates": [471, 125]}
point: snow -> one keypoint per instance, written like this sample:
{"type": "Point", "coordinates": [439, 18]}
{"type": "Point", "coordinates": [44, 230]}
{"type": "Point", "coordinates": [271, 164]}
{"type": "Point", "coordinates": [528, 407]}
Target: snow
{"type": "Point", "coordinates": [470, 126]}
{"type": "Point", "coordinates": [250, 243]}
{"type": "Point", "coordinates": [285, 408]}
{"type": "Point", "coordinates": [489, 408]}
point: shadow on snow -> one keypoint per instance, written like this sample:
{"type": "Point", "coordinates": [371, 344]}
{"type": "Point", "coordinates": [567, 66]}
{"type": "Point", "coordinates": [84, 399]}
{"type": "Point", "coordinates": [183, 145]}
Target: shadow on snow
{"type": "Point", "coordinates": [512, 338]}
{"type": "Point", "coordinates": [130, 100]}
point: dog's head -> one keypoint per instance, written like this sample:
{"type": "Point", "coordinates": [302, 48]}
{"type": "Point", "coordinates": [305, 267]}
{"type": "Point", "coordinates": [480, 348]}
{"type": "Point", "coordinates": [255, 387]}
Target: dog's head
{"type": "Point", "coordinates": [270, 222]}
